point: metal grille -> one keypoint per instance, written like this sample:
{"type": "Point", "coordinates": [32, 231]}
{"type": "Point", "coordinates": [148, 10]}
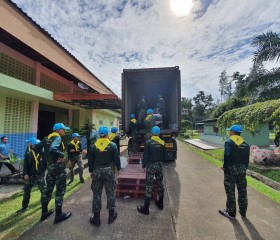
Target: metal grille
{"type": "Point", "coordinates": [53, 85]}
{"type": "Point", "coordinates": [17, 116]}
{"type": "Point", "coordinates": [16, 69]}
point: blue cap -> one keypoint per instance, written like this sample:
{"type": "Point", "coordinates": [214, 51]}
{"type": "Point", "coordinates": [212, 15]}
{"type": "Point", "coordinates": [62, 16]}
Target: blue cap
{"type": "Point", "coordinates": [150, 111]}
{"type": "Point", "coordinates": [114, 129]}
{"type": "Point", "coordinates": [75, 135]}
{"type": "Point", "coordinates": [235, 128]}
{"type": "Point", "coordinates": [30, 140]}
{"type": "Point", "coordinates": [103, 131]}
{"type": "Point", "coordinates": [156, 130]}
{"type": "Point", "coordinates": [34, 141]}
{"type": "Point", "coordinates": [58, 126]}
{"type": "Point", "coordinates": [132, 115]}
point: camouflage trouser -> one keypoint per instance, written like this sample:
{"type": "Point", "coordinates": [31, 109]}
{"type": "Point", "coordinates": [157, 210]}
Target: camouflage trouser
{"type": "Point", "coordinates": [148, 135]}
{"type": "Point", "coordinates": [154, 169]}
{"type": "Point", "coordinates": [134, 138]}
{"type": "Point", "coordinates": [56, 177]}
{"type": "Point", "coordinates": [141, 117]}
{"type": "Point", "coordinates": [38, 179]}
{"type": "Point", "coordinates": [73, 161]}
{"type": "Point", "coordinates": [236, 174]}
{"type": "Point", "coordinates": [103, 177]}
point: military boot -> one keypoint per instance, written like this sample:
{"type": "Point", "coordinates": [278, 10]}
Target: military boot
{"type": "Point", "coordinates": [144, 209]}
{"type": "Point", "coordinates": [45, 213]}
{"type": "Point", "coordinates": [112, 216]}
{"type": "Point", "coordinates": [59, 216]}
{"type": "Point", "coordinates": [95, 219]}
{"type": "Point", "coordinates": [159, 203]}
{"type": "Point", "coordinates": [23, 208]}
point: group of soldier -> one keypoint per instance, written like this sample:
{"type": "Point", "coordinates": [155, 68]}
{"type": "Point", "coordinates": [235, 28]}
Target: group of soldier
{"type": "Point", "coordinates": [49, 155]}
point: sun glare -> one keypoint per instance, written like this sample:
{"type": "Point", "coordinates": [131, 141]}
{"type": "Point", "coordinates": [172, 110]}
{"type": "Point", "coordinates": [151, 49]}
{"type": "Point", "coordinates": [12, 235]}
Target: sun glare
{"type": "Point", "coordinates": [181, 7]}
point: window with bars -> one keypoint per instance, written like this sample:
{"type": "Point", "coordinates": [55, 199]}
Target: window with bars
{"type": "Point", "coordinates": [53, 85]}
{"type": "Point", "coordinates": [17, 116]}
{"type": "Point", "coordinates": [16, 69]}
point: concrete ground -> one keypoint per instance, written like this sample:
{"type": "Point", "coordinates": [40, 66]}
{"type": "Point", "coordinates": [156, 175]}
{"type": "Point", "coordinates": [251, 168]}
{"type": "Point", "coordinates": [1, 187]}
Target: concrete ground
{"type": "Point", "coordinates": [194, 193]}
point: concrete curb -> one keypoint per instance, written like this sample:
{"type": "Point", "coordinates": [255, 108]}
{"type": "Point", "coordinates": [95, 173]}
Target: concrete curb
{"type": "Point", "coordinates": [267, 181]}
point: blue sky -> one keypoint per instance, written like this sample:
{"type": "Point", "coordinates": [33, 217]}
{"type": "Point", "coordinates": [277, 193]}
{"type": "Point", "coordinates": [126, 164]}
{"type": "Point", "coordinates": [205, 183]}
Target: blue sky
{"type": "Point", "coordinates": [108, 36]}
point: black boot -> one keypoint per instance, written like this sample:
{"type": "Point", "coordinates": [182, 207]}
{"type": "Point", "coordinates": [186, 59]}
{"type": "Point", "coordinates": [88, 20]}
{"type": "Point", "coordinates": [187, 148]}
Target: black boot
{"type": "Point", "coordinates": [59, 216]}
{"type": "Point", "coordinates": [144, 209]}
{"type": "Point", "coordinates": [95, 219]}
{"type": "Point", "coordinates": [45, 213]}
{"type": "Point", "coordinates": [159, 203]}
{"type": "Point", "coordinates": [112, 216]}
{"type": "Point", "coordinates": [23, 208]}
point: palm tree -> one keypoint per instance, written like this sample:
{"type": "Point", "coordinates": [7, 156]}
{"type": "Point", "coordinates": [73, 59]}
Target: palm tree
{"type": "Point", "coordinates": [265, 84]}
{"type": "Point", "coordinates": [268, 47]}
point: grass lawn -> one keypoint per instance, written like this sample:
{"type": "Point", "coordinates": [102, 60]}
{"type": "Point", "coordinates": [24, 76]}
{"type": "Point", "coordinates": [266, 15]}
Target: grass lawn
{"type": "Point", "coordinates": [271, 136]}
{"type": "Point", "coordinates": [12, 224]}
{"type": "Point", "coordinates": [259, 186]}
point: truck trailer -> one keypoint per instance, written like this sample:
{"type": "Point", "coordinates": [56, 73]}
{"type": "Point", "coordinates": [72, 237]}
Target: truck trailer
{"type": "Point", "coordinates": [153, 83]}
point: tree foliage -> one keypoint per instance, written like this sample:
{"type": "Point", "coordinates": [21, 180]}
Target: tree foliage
{"type": "Point", "coordinates": [230, 104]}
{"type": "Point", "coordinates": [268, 47]}
{"type": "Point", "coordinates": [203, 106]}
{"type": "Point", "coordinates": [251, 117]}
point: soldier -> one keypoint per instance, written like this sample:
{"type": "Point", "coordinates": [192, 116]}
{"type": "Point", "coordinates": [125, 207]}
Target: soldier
{"type": "Point", "coordinates": [54, 153]}
{"type": "Point", "coordinates": [133, 132]}
{"type": "Point", "coordinates": [154, 154]}
{"type": "Point", "coordinates": [236, 160]}
{"type": "Point", "coordinates": [161, 109]}
{"type": "Point", "coordinates": [114, 137]}
{"type": "Point", "coordinates": [149, 123]}
{"type": "Point", "coordinates": [141, 109]}
{"type": "Point", "coordinates": [34, 168]}
{"type": "Point", "coordinates": [29, 145]}
{"type": "Point", "coordinates": [74, 150]}
{"type": "Point", "coordinates": [102, 162]}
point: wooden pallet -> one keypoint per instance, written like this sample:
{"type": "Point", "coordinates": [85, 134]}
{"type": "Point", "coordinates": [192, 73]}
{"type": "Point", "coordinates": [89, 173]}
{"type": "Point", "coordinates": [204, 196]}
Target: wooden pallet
{"type": "Point", "coordinates": [131, 182]}
{"type": "Point", "coordinates": [135, 158]}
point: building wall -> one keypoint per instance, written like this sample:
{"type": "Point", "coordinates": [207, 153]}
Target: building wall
{"type": "Point", "coordinates": [106, 118]}
{"type": "Point", "coordinates": [260, 138]}
{"type": "Point", "coordinates": [22, 89]}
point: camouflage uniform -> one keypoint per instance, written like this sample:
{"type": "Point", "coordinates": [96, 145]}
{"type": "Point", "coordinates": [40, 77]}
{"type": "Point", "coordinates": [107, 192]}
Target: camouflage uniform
{"type": "Point", "coordinates": [75, 158]}
{"type": "Point", "coordinates": [141, 107]}
{"type": "Point", "coordinates": [236, 160]}
{"type": "Point", "coordinates": [154, 153]}
{"type": "Point", "coordinates": [115, 139]}
{"type": "Point", "coordinates": [133, 131]}
{"type": "Point", "coordinates": [149, 123]}
{"type": "Point", "coordinates": [54, 149]}
{"type": "Point", "coordinates": [102, 165]}
{"type": "Point", "coordinates": [35, 167]}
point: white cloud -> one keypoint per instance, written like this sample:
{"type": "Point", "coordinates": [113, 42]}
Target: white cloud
{"type": "Point", "coordinates": [108, 36]}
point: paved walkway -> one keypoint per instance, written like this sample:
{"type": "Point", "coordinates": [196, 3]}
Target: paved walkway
{"type": "Point", "coordinates": [203, 144]}
{"type": "Point", "coordinates": [194, 193]}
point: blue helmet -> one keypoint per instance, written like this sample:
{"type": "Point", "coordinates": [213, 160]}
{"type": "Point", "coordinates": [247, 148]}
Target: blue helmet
{"type": "Point", "coordinates": [30, 140]}
{"type": "Point", "coordinates": [58, 126]}
{"type": "Point", "coordinates": [150, 111]}
{"type": "Point", "coordinates": [35, 141]}
{"type": "Point", "coordinates": [235, 128]}
{"type": "Point", "coordinates": [114, 129]}
{"type": "Point", "coordinates": [103, 131]}
{"type": "Point", "coordinates": [156, 130]}
{"type": "Point", "coordinates": [132, 115]}
{"type": "Point", "coordinates": [75, 135]}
